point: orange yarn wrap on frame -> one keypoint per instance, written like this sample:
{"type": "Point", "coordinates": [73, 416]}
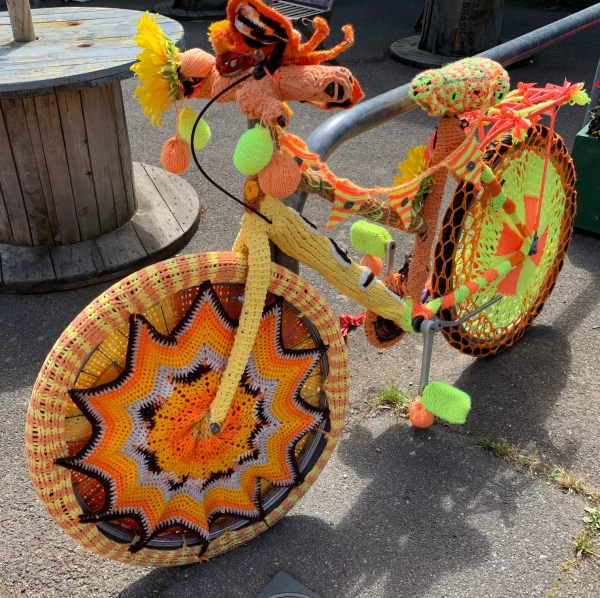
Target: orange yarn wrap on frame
{"type": "Point", "coordinates": [450, 135]}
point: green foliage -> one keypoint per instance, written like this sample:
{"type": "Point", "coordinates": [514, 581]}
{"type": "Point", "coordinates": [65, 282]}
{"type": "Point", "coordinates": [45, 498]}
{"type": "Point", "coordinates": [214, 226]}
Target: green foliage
{"type": "Point", "coordinates": [583, 543]}
{"type": "Point", "coordinates": [592, 520]}
{"type": "Point", "coordinates": [393, 396]}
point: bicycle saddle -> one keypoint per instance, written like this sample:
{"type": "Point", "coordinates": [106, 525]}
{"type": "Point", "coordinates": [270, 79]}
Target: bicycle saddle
{"type": "Point", "coordinates": [463, 86]}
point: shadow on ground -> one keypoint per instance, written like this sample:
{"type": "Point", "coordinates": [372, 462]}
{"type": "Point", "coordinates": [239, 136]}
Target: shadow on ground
{"type": "Point", "coordinates": [415, 520]}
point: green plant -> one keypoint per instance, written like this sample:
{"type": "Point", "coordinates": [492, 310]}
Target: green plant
{"type": "Point", "coordinates": [510, 453]}
{"type": "Point", "coordinates": [584, 543]}
{"type": "Point", "coordinates": [568, 481]}
{"type": "Point", "coordinates": [592, 521]}
{"type": "Point", "coordinates": [393, 396]}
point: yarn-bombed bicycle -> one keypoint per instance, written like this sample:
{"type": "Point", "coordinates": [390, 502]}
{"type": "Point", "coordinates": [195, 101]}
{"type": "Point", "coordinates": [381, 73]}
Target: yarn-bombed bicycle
{"type": "Point", "coordinates": [189, 407]}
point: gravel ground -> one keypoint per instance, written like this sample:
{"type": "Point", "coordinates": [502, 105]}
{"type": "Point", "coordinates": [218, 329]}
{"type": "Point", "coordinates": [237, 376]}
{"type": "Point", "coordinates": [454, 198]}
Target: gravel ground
{"type": "Point", "coordinates": [396, 513]}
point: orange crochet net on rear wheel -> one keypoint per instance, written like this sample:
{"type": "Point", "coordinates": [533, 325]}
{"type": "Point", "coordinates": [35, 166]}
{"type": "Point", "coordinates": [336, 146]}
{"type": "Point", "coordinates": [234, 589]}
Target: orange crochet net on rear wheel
{"type": "Point", "coordinates": [475, 238]}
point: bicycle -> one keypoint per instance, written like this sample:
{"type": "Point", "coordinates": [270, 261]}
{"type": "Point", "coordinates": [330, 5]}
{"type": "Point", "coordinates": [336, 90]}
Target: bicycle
{"type": "Point", "coordinates": [189, 407]}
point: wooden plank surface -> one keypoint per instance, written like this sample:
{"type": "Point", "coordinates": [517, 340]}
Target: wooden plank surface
{"type": "Point", "coordinates": [75, 45]}
{"type": "Point", "coordinates": [40, 162]}
{"type": "Point", "coordinates": [122, 245]}
{"type": "Point", "coordinates": [25, 265]}
{"type": "Point", "coordinates": [11, 190]}
{"type": "Point", "coordinates": [78, 159]}
{"type": "Point", "coordinates": [29, 178]}
{"type": "Point", "coordinates": [5, 229]}
{"type": "Point", "coordinates": [124, 146]}
{"type": "Point", "coordinates": [103, 148]}
{"type": "Point", "coordinates": [80, 260]}
{"type": "Point", "coordinates": [179, 194]}
{"type": "Point", "coordinates": [56, 160]}
{"type": "Point", "coordinates": [39, 269]}
{"type": "Point", "coordinates": [154, 222]}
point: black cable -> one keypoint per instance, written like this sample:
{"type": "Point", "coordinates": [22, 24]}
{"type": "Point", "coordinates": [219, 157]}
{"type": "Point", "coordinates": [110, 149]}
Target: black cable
{"type": "Point", "coordinates": [202, 171]}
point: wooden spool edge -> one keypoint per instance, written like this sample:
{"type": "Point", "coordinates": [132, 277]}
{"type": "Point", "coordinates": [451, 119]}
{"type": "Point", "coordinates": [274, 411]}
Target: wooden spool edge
{"type": "Point", "coordinates": [168, 215]}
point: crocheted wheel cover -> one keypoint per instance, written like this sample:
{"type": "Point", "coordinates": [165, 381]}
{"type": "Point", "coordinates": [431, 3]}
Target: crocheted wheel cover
{"type": "Point", "coordinates": [475, 238]}
{"type": "Point", "coordinates": [118, 445]}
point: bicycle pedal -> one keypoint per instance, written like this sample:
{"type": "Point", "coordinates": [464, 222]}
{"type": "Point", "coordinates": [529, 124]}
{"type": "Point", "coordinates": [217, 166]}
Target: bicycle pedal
{"type": "Point", "coordinates": [446, 402]}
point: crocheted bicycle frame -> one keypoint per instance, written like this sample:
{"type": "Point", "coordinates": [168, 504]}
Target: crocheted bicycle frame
{"type": "Point", "coordinates": [189, 407]}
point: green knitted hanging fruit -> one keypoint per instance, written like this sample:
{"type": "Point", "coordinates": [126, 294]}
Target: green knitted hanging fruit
{"type": "Point", "coordinates": [253, 151]}
{"type": "Point", "coordinates": [446, 402]}
{"type": "Point", "coordinates": [187, 118]}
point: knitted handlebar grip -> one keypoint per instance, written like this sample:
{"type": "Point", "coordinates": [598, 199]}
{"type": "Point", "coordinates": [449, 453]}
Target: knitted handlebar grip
{"type": "Point", "coordinates": [370, 238]}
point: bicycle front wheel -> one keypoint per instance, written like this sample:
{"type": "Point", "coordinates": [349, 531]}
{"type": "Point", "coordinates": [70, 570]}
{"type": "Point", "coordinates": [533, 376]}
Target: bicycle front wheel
{"type": "Point", "coordinates": [118, 440]}
{"type": "Point", "coordinates": [474, 238]}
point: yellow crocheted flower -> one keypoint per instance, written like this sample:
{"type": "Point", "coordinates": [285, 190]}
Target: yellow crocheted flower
{"type": "Point", "coordinates": [156, 69]}
{"type": "Point", "coordinates": [412, 166]}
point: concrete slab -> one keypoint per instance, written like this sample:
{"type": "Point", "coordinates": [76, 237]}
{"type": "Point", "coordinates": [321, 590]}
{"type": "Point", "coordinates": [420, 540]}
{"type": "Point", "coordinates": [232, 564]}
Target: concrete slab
{"type": "Point", "coordinates": [401, 514]}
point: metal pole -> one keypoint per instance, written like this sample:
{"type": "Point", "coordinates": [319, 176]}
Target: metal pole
{"type": "Point", "coordinates": [367, 115]}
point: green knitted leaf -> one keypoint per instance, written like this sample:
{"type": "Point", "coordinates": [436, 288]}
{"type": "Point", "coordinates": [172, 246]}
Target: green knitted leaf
{"type": "Point", "coordinates": [446, 402]}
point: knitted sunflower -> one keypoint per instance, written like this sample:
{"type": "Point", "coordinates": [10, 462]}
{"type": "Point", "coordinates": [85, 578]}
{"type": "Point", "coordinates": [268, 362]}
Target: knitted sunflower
{"type": "Point", "coordinates": [415, 163]}
{"type": "Point", "coordinates": [156, 69]}
{"type": "Point", "coordinates": [412, 166]}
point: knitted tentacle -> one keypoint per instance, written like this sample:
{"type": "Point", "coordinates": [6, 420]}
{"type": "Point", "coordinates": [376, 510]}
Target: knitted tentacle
{"type": "Point", "coordinates": [317, 38]}
{"type": "Point", "coordinates": [255, 293]}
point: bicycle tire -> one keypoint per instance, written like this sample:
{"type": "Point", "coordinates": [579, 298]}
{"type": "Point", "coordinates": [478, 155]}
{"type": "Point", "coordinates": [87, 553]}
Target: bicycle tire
{"type": "Point", "coordinates": [473, 235]}
{"type": "Point", "coordinates": [94, 355]}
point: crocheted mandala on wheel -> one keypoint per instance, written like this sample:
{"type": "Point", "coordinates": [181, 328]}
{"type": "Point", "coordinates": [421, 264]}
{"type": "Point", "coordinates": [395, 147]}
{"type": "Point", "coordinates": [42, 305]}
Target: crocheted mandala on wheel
{"type": "Point", "coordinates": [151, 448]}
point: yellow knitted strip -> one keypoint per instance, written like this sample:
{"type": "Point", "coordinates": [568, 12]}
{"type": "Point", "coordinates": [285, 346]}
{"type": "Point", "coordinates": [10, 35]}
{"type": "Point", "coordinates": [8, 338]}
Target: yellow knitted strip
{"type": "Point", "coordinates": [259, 269]}
{"type": "Point", "coordinates": [295, 239]}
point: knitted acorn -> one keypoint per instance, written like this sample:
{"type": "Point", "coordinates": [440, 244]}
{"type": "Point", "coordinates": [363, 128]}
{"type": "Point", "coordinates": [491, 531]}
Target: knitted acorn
{"type": "Point", "coordinates": [196, 63]}
{"type": "Point", "coordinates": [185, 126]}
{"type": "Point", "coordinates": [253, 151]}
{"type": "Point", "coordinates": [175, 156]}
{"type": "Point", "coordinates": [280, 177]}
{"type": "Point", "coordinates": [419, 416]}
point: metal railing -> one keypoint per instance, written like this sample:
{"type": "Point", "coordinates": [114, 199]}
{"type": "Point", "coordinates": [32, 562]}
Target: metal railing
{"type": "Point", "coordinates": [375, 111]}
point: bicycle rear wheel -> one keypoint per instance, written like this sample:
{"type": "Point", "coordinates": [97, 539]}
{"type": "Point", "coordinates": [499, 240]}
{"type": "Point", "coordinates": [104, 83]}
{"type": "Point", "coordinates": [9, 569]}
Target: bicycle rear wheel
{"type": "Point", "coordinates": [475, 238]}
{"type": "Point", "coordinates": [118, 443]}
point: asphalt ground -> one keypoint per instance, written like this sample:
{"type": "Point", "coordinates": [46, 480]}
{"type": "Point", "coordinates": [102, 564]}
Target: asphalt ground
{"type": "Point", "coordinates": [396, 513]}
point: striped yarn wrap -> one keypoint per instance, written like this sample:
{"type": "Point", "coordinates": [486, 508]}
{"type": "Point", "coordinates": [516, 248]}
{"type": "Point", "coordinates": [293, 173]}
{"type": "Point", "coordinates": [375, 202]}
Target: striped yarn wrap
{"type": "Point", "coordinates": [465, 161]}
{"type": "Point", "coordinates": [50, 403]}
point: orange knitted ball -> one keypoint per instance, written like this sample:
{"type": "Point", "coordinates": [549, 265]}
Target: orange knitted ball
{"type": "Point", "coordinates": [175, 156]}
{"type": "Point", "coordinates": [280, 177]}
{"type": "Point", "coordinates": [419, 416]}
{"type": "Point", "coordinates": [196, 63]}
{"type": "Point", "coordinates": [375, 264]}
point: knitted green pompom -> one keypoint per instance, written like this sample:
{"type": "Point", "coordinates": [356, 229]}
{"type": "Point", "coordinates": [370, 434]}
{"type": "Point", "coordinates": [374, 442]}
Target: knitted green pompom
{"type": "Point", "coordinates": [187, 118]}
{"type": "Point", "coordinates": [253, 151]}
{"type": "Point", "coordinates": [446, 402]}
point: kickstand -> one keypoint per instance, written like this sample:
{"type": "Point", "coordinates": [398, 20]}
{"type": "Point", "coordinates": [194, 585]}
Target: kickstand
{"type": "Point", "coordinates": [428, 328]}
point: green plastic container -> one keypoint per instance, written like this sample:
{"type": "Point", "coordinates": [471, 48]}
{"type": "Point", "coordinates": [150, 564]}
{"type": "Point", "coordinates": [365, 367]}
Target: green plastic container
{"type": "Point", "coordinates": [586, 156]}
